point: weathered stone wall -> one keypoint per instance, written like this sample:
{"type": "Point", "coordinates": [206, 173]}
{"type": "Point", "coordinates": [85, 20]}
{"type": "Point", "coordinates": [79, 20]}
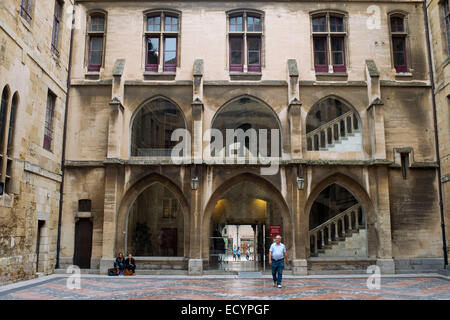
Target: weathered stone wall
{"type": "Point", "coordinates": [29, 69]}
{"type": "Point", "coordinates": [441, 64]}
{"type": "Point", "coordinates": [405, 122]}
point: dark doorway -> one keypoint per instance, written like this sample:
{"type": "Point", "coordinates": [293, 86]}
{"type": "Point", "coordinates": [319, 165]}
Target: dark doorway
{"type": "Point", "coordinates": [83, 243]}
{"type": "Point", "coordinates": [38, 242]}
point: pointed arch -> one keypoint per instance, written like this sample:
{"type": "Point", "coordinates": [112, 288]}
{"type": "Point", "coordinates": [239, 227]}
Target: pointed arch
{"type": "Point", "coordinates": [261, 182]}
{"type": "Point", "coordinates": [133, 193]}
{"type": "Point", "coordinates": [156, 108]}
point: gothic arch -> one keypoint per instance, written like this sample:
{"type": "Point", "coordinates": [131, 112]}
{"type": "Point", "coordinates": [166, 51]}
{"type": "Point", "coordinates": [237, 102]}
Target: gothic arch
{"type": "Point", "coordinates": [261, 182]}
{"type": "Point", "coordinates": [132, 194]}
{"type": "Point", "coordinates": [360, 195]}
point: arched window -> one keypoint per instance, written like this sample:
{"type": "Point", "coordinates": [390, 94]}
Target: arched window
{"type": "Point", "coordinates": [329, 36]}
{"type": "Point", "coordinates": [246, 118]}
{"type": "Point", "coordinates": [331, 125]}
{"type": "Point", "coordinates": [152, 128]}
{"type": "Point", "coordinates": [96, 38]}
{"type": "Point", "coordinates": [245, 32]}
{"type": "Point", "coordinates": [162, 38]}
{"type": "Point", "coordinates": [334, 217]}
{"type": "Point", "coordinates": [399, 34]}
{"type": "Point", "coordinates": [155, 225]}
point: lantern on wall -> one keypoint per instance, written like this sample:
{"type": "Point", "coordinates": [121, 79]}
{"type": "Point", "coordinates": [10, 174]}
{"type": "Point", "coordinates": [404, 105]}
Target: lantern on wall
{"type": "Point", "coordinates": [194, 183]}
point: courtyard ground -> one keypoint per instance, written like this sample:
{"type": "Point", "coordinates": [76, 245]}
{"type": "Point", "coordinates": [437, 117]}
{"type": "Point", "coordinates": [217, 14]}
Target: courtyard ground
{"type": "Point", "coordinates": [233, 287]}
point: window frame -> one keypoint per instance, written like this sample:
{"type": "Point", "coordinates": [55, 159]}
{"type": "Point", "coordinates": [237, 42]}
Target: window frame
{"type": "Point", "coordinates": [49, 121]}
{"type": "Point", "coordinates": [329, 34]}
{"type": "Point", "coordinates": [446, 22]}
{"type": "Point", "coordinates": [95, 34]}
{"type": "Point", "coordinates": [26, 10]}
{"type": "Point", "coordinates": [57, 17]}
{"type": "Point", "coordinates": [403, 36]}
{"type": "Point", "coordinates": [162, 34]}
{"type": "Point", "coordinates": [245, 34]}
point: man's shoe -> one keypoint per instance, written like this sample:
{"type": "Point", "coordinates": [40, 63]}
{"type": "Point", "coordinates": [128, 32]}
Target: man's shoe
{"type": "Point", "coordinates": [274, 284]}
{"type": "Point", "coordinates": [279, 286]}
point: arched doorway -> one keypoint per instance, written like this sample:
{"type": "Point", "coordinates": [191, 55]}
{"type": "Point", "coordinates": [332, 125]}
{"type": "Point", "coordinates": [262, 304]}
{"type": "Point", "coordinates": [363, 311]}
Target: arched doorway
{"type": "Point", "coordinates": [155, 224]}
{"type": "Point", "coordinates": [241, 214]}
{"type": "Point", "coordinates": [337, 224]}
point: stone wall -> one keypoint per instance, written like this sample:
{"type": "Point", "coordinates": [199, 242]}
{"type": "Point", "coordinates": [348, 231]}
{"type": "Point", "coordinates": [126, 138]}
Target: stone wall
{"type": "Point", "coordinates": [29, 69]}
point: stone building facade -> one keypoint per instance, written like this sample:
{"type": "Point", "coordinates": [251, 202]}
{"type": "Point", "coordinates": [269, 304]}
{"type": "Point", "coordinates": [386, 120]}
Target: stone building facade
{"type": "Point", "coordinates": [346, 86]}
{"type": "Point", "coordinates": [34, 60]}
{"type": "Point", "coordinates": [439, 33]}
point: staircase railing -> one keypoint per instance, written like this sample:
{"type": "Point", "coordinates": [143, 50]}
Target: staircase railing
{"type": "Point", "coordinates": [332, 131]}
{"type": "Point", "coordinates": [347, 220]}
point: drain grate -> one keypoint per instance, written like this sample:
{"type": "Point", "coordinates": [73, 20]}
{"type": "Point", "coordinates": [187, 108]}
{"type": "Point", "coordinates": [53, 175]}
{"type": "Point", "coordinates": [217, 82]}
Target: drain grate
{"type": "Point", "coordinates": [250, 275]}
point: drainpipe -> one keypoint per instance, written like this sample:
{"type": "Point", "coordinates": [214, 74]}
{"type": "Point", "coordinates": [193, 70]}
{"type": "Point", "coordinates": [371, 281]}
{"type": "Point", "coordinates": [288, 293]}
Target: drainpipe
{"type": "Point", "coordinates": [63, 156]}
{"type": "Point", "coordinates": [436, 136]}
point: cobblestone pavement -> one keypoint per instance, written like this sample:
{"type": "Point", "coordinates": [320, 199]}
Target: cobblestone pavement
{"type": "Point", "coordinates": [233, 288]}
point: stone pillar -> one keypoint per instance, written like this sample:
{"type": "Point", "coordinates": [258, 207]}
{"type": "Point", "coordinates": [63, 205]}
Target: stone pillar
{"type": "Point", "coordinates": [109, 216]}
{"type": "Point", "coordinates": [301, 229]}
{"type": "Point", "coordinates": [195, 263]}
{"type": "Point", "coordinates": [197, 112]}
{"type": "Point", "coordinates": [294, 109]}
{"type": "Point", "coordinates": [383, 221]}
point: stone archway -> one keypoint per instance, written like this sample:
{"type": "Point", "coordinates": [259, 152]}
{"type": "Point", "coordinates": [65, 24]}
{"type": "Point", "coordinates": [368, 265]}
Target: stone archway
{"type": "Point", "coordinates": [133, 193]}
{"type": "Point", "coordinates": [271, 191]}
{"type": "Point", "coordinates": [359, 194]}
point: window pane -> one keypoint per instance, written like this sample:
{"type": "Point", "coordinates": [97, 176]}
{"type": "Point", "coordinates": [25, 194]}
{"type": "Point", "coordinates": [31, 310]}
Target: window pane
{"type": "Point", "coordinates": [397, 24]}
{"type": "Point", "coordinates": [398, 44]}
{"type": "Point", "coordinates": [399, 59]}
{"type": "Point", "coordinates": [319, 44]}
{"type": "Point", "coordinates": [96, 44]}
{"type": "Point", "coordinates": [236, 24]}
{"type": "Point", "coordinates": [170, 44]}
{"type": "Point", "coordinates": [97, 23]}
{"type": "Point", "coordinates": [319, 24]}
{"type": "Point", "coordinates": [253, 43]}
{"type": "Point", "coordinates": [236, 57]}
{"type": "Point", "coordinates": [253, 24]}
{"type": "Point", "coordinates": [153, 50]}
{"type": "Point", "coordinates": [171, 24]}
{"type": "Point", "coordinates": [154, 23]}
{"type": "Point", "coordinates": [320, 58]}
{"type": "Point", "coordinates": [170, 58]}
{"type": "Point", "coordinates": [336, 24]}
{"type": "Point", "coordinates": [96, 58]}
{"type": "Point", "coordinates": [338, 58]}
{"type": "Point", "coordinates": [236, 44]}
{"type": "Point", "coordinates": [337, 44]}
{"type": "Point", "coordinates": [253, 57]}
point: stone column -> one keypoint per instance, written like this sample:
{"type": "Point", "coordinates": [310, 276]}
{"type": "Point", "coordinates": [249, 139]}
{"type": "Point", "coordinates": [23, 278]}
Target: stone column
{"type": "Point", "coordinates": [109, 217]}
{"type": "Point", "coordinates": [383, 221]}
{"type": "Point", "coordinates": [294, 109]}
{"type": "Point", "coordinates": [301, 229]}
{"type": "Point", "coordinates": [195, 263]}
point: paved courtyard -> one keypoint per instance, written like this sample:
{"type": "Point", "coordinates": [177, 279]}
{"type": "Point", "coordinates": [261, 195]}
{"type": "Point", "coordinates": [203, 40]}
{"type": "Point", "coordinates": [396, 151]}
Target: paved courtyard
{"type": "Point", "coordinates": [55, 287]}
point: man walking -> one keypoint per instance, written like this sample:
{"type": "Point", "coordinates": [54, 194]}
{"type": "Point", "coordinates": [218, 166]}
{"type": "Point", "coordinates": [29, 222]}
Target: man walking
{"type": "Point", "coordinates": [277, 256]}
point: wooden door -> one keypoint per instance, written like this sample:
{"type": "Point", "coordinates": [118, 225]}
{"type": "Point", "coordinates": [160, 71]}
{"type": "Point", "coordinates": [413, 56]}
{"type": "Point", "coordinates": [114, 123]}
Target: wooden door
{"type": "Point", "coordinates": [83, 243]}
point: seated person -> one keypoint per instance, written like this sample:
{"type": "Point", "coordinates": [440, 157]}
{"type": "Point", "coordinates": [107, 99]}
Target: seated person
{"type": "Point", "coordinates": [119, 264]}
{"type": "Point", "coordinates": [130, 265]}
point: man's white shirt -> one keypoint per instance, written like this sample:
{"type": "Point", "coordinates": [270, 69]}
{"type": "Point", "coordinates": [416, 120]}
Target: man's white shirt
{"type": "Point", "coordinates": [277, 250]}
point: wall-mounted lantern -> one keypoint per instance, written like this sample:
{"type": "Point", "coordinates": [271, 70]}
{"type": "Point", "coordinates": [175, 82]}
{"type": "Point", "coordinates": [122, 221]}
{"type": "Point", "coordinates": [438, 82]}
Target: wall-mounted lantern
{"type": "Point", "coordinates": [300, 183]}
{"type": "Point", "coordinates": [194, 183]}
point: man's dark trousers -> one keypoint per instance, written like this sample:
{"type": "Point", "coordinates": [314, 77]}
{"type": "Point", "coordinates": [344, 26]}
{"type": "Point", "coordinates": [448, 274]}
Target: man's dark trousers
{"type": "Point", "coordinates": [277, 267]}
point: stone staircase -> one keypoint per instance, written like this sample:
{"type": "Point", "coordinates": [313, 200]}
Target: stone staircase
{"type": "Point", "coordinates": [340, 134]}
{"type": "Point", "coordinates": [344, 235]}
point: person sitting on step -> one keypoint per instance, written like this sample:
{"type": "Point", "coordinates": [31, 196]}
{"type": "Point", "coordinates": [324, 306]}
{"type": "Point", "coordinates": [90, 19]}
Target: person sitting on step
{"type": "Point", "coordinates": [130, 266]}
